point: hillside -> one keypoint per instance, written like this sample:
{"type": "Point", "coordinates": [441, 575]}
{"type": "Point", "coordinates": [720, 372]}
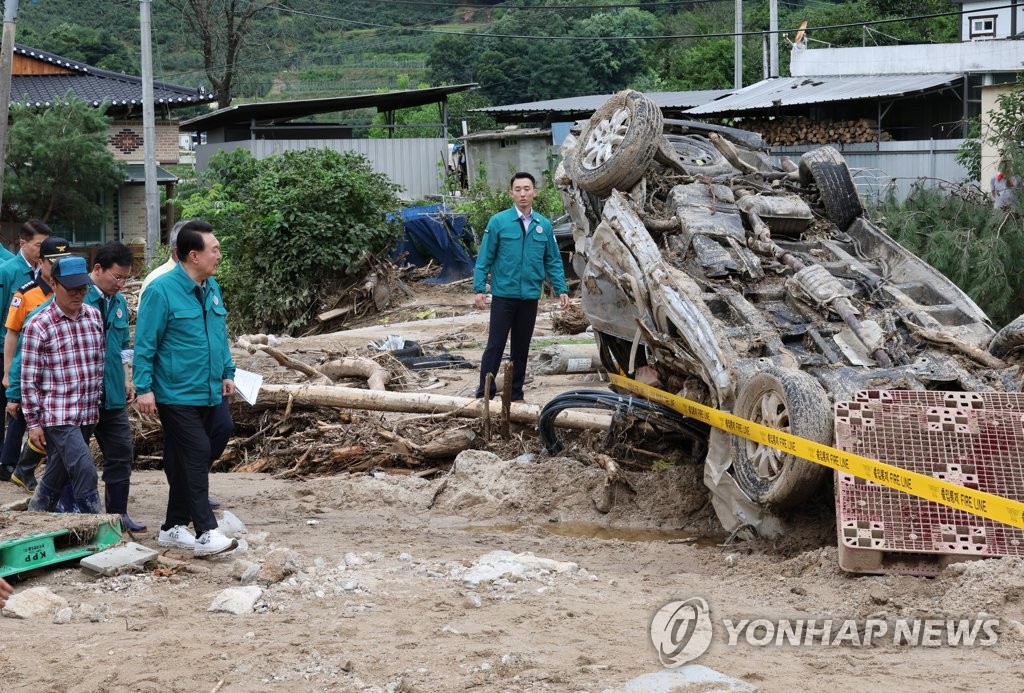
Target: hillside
{"type": "Point", "coordinates": [307, 48]}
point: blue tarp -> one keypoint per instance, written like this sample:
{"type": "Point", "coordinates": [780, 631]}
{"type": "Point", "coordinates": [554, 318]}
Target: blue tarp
{"type": "Point", "coordinates": [436, 233]}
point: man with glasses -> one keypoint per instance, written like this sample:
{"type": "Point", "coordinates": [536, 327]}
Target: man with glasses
{"type": "Point", "coordinates": [25, 300]}
{"type": "Point", "coordinates": [63, 354]}
{"type": "Point", "coordinates": [111, 269]}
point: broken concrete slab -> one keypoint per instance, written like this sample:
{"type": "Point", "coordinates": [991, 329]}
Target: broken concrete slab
{"type": "Point", "coordinates": [119, 559]}
{"type": "Point", "coordinates": [690, 677]}
{"type": "Point", "coordinates": [237, 600]}
{"type": "Point", "coordinates": [35, 602]}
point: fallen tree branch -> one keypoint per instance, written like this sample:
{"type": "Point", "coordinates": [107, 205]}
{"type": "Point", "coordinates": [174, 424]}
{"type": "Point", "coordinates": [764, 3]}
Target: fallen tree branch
{"type": "Point", "coordinates": [418, 403]}
{"type": "Point", "coordinates": [979, 355]}
{"type": "Point", "coordinates": [377, 378]}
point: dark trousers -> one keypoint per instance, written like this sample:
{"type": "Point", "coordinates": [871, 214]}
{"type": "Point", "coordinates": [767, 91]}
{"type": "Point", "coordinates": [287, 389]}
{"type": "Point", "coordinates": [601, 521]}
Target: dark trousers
{"type": "Point", "coordinates": [69, 461]}
{"type": "Point", "coordinates": [187, 445]}
{"type": "Point", "coordinates": [12, 440]}
{"type": "Point", "coordinates": [223, 427]}
{"type": "Point", "coordinates": [114, 435]}
{"type": "Point", "coordinates": [515, 316]}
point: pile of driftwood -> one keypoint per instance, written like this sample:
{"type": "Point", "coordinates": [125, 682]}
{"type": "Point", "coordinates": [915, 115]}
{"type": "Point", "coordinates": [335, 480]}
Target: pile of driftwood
{"type": "Point", "coordinates": [368, 289]}
{"type": "Point", "coordinates": [802, 130]}
{"type": "Point", "coordinates": [356, 413]}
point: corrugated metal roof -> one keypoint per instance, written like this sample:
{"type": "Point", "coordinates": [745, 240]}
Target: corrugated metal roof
{"type": "Point", "coordinates": [589, 104]}
{"type": "Point", "coordinates": [795, 91]}
{"type": "Point", "coordinates": [284, 111]}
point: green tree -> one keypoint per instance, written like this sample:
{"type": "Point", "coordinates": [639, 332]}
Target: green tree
{"type": "Point", "coordinates": [451, 59]}
{"type": "Point", "coordinates": [292, 228]}
{"type": "Point", "coordinates": [963, 236]}
{"type": "Point", "coordinates": [58, 167]}
{"type": "Point", "coordinates": [91, 46]}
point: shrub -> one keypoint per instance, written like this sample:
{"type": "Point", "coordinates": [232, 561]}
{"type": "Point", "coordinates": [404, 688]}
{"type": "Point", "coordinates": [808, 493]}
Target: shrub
{"type": "Point", "coordinates": [292, 226]}
{"type": "Point", "coordinates": [482, 201]}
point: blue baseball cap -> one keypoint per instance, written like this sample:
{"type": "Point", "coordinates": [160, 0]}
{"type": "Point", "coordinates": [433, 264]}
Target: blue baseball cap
{"type": "Point", "coordinates": [71, 272]}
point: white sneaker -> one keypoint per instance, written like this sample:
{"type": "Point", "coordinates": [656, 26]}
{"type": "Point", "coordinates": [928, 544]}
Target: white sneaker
{"type": "Point", "coordinates": [212, 542]}
{"type": "Point", "coordinates": [179, 536]}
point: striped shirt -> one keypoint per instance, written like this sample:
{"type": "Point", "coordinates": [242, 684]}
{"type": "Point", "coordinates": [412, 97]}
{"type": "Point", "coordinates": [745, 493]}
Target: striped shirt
{"type": "Point", "coordinates": [62, 367]}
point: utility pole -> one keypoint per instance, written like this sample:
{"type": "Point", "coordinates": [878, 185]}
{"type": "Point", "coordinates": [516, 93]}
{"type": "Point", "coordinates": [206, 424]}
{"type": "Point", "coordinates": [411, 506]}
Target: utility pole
{"type": "Point", "coordinates": [149, 133]}
{"type": "Point", "coordinates": [737, 74]}
{"type": "Point", "coordinates": [773, 38]}
{"type": "Point", "coordinates": [6, 65]}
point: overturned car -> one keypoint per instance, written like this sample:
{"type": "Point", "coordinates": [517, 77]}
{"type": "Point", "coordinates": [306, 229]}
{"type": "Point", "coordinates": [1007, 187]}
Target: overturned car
{"type": "Point", "coordinates": [758, 289]}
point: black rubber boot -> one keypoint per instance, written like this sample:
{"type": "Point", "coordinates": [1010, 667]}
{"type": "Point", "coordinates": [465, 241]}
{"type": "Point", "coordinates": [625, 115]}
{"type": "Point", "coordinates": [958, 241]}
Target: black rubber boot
{"type": "Point", "coordinates": [30, 458]}
{"type": "Point", "coordinates": [117, 502]}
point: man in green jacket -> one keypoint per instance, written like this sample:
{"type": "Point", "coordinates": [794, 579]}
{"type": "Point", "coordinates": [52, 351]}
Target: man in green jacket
{"type": "Point", "coordinates": [517, 252]}
{"type": "Point", "coordinates": [111, 268]}
{"type": "Point", "coordinates": [183, 369]}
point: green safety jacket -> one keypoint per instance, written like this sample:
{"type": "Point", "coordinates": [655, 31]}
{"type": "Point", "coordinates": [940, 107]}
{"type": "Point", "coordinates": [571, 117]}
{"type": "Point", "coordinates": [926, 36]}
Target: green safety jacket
{"type": "Point", "coordinates": [115, 327]}
{"type": "Point", "coordinates": [517, 261]}
{"type": "Point", "coordinates": [181, 342]}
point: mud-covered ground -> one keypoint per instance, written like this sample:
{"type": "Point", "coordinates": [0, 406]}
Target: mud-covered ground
{"type": "Point", "coordinates": [392, 589]}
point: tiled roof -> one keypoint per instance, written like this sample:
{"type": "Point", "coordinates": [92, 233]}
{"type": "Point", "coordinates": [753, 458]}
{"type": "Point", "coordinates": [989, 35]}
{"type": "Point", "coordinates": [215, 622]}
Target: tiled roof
{"type": "Point", "coordinates": [94, 86]}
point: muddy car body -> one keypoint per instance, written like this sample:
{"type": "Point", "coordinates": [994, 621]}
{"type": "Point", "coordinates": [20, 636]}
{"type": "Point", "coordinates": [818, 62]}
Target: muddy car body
{"type": "Point", "coordinates": [759, 289]}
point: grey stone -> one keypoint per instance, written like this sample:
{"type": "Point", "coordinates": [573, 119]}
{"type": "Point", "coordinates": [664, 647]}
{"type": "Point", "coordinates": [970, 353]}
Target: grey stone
{"type": "Point", "coordinates": [279, 564]}
{"type": "Point", "coordinates": [119, 559]}
{"type": "Point", "coordinates": [63, 616]}
{"type": "Point", "coordinates": [33, 603]}
{"type": "Point", "coordinates": [21, 504]}
{"type": "Point", "coordinates": [251, 575]}
{"type": "Point", "coordinates": [237, 600]}
{"type": "Point", "coordinates": [239, 566]}
{"type": "Point", "coordinates": [230, 525]}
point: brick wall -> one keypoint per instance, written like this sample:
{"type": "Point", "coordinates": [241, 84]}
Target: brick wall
{"type": "Point", "coordinates": [133, 213]}
{"type": "Point", "coordinates": [124, 141]}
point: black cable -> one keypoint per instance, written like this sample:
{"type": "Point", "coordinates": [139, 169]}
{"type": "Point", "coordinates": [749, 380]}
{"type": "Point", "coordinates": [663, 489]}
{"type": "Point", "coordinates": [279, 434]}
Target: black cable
{"type": "Point", "coordinates": [650, 412]}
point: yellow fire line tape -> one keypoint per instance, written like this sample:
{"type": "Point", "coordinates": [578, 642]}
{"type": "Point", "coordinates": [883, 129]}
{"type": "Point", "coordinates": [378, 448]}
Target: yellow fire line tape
{"type": "Point", "coordinates": [988, 505]}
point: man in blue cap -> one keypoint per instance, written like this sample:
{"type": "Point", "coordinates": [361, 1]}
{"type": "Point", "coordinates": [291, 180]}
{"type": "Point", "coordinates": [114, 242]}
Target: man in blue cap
{"type": "Point", "coordinates": [63, 354]}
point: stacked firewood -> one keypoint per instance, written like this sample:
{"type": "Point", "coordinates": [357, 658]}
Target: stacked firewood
{"type": "Point", "coordinates": [791, 130]}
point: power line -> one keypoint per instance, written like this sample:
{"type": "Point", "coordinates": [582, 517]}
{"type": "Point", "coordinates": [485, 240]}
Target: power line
{"type": "Point", "coordinates": [662, 37]}
{"type": "Point", "coordinates": [582, 6]}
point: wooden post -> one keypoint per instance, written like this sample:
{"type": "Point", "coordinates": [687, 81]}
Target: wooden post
{"type": "Point", "coordinates": [506, 400]}
{"type": "Point", "coordinates": [488, 382]}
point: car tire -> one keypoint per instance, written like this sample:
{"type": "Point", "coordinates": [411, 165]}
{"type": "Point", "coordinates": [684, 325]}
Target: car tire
{"type": "Point", "coordinates": [617, 144]}
{"type": "Point", "coordinates": [1008, 341]}
{"type": "Point", "coordinates": [826, 169]}
{"type": "Point", "coordinates": [790, 401]}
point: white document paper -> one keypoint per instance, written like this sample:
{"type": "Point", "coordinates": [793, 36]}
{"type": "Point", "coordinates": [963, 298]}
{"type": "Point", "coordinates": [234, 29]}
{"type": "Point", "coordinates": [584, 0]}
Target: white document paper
{"type": "Point", "coordinates": [247, 384]}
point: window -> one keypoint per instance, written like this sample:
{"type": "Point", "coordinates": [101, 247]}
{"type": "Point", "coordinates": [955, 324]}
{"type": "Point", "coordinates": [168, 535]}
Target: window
{"type": "Point", "coordinates": [983, 27]}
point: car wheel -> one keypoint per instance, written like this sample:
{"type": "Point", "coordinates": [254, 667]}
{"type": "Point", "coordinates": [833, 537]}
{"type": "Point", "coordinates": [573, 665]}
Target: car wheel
{"type": "Point", "coordinates": [699, 156]}
{"type": "Point", "coordinates": [617, 144]}
{"type": "Point", "coordinates": [1008, 341]}
{"type": "Point", "coordinates": [826, 169]}
{"type": "Point", "coordinates": [790, 401]}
